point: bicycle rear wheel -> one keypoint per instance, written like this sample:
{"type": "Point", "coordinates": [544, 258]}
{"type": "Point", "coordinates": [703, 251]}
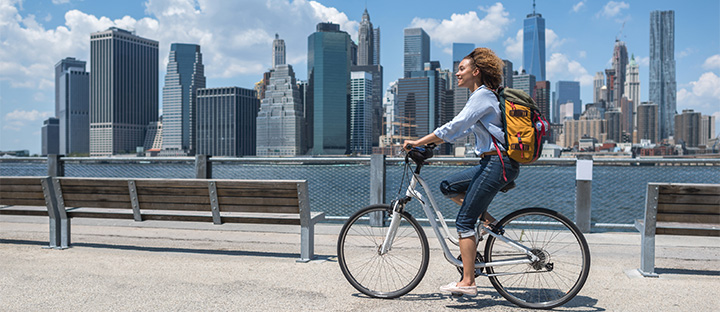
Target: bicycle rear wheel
{"type": "Point", "coordinates": [564, 259]}
{"type": "Point", "coordinates": [382, 276]}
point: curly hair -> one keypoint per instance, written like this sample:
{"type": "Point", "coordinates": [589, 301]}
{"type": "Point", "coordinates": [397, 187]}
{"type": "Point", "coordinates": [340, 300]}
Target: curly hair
{"type": "Point", "coordinates": [490, 66]}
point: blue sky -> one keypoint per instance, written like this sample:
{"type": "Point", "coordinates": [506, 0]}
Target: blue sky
{"type": "Point", "coordinates": [236, 39]}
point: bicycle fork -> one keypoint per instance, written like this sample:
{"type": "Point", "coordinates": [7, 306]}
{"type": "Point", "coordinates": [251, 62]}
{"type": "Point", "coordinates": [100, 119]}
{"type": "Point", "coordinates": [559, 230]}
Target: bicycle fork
{"type": "Point", "coordinates": [394, 224]}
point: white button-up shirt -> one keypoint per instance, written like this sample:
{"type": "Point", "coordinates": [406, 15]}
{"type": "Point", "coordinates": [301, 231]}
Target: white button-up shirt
{"type": "Point", "coordinates": [480, 115]}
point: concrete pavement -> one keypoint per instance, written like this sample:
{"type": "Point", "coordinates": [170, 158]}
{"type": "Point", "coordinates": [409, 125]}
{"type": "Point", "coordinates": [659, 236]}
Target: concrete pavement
{"type": "Point", "coordinates": [162, 266]}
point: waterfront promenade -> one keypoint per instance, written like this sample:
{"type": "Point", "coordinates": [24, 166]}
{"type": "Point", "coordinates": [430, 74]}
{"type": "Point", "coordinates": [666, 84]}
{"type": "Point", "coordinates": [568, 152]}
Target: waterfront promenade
{"type": "Point", "coordinates": [150, 266]}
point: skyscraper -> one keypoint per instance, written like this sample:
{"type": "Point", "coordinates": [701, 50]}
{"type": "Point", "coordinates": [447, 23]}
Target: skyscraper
{"type": "Point", "coordinates": [597, 87]}
{"type": "Point", "coordinates": [647, 122]}
{"type": "Point", "coordinates": [610, 76]}
{"type": "Point", "coordinates": [227, 121]}
{"type": "Point", "coordinates": [361, 114]}
{"type": "Point", "coordinates": [614, 125]}
{"type": "Point", "coordinates": [366, 42]}
{"type": "Point", "coordinates": [329, 61]}
{"type": "Point", "coordinates": [619, 64]}
{"type": "Point", "coordinates": [421, 100]}
{"type": "Point", "coordinates": [280, 122]}
{"type": "Point", "coordinates": [278, 55]}
{"type": "Point", "coordinates": [72, 106]}
{"type": "Point", "coordinates": [50, 134]}
{"type": "Point", "coordinates": [507, 74]}
{"type": "Point", "coordinates": [525, 82]}
{"type": "Point", "coordinates": [185, 74]}
{"type": "Point", "coordinates": [542, 97]}
{"type": "Point", "coordinates": [123, 90]}
{"type": "Point", "coordinates": [662, 85]}
{"type": "Point", "coordinates": [688, 127]}
{"type": "Point", "coordinates": [376, 46]}
{"type": "Point", "coordinates": [632, 86]}
{"type": "Point", "coordinates": [534, 45]}
{"type": "Point", "coordinates": [567, 91]}
{"type": "Point", "coordinates": [417, 50]}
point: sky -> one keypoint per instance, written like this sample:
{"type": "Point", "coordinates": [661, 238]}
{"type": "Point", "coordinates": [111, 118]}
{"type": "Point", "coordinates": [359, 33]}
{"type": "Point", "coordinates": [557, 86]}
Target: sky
{"type": "Point", "coordinates": [236, 41]}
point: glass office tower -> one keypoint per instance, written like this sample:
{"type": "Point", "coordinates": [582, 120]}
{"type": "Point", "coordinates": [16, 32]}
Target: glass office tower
{"type": "Point", "coordinates": [329, 61]}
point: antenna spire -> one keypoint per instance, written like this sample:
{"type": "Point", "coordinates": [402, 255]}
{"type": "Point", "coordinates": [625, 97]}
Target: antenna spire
{"type": "Point", "coordinates": [533, 7]}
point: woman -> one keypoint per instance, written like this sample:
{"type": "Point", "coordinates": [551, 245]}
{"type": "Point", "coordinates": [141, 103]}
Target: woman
{"type": "Point", "coordinates": [474, 188]}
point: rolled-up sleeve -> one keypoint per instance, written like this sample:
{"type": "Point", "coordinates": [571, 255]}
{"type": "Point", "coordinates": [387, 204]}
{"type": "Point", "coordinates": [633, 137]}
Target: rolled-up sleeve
{"type": "Point", "coordinates": [477, 106]}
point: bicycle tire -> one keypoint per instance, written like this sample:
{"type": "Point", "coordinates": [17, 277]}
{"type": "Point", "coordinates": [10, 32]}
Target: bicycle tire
{"type": "Point", "coordinates": [560, 273]}
{"type": "Point", "coordinates": [390, 275]}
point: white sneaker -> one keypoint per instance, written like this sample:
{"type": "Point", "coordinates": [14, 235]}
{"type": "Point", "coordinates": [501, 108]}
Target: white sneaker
{"type": "Point", "coordinates": [462, 290]}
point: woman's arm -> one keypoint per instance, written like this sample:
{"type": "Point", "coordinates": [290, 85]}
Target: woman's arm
{"type": "Point", "coordinates": [430, 138]}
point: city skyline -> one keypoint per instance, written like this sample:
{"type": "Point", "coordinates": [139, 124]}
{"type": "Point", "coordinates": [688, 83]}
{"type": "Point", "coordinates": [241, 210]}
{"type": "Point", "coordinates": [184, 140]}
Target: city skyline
{"type": "Point", "coordinates": [26, 83]}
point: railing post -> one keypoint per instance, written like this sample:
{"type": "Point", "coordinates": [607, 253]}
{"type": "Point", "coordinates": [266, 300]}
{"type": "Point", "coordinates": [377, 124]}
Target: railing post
{"type": "Point", "coordinates": [56, 167]}
{"type": "Point", "coordinates": [583, 192]}
{"type": "Point", "coordinates": [377, 186]}
{"type": "Point", "coordinates": [203, 167]}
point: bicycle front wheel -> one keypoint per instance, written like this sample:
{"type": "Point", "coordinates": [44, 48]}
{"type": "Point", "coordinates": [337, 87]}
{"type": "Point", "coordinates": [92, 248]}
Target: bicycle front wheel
{"type": "Point", "coordinates": [388, 275]}
{"type": "Point", "coordinates": [562, 268]}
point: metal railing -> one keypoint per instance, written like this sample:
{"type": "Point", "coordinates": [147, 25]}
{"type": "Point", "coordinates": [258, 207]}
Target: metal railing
{"type": "Point", "coordinates": [612, 198]}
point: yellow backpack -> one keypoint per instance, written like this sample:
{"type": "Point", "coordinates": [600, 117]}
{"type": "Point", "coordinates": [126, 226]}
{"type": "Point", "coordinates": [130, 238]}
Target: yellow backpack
{"type": "Point", "coordinates": [523, 124]}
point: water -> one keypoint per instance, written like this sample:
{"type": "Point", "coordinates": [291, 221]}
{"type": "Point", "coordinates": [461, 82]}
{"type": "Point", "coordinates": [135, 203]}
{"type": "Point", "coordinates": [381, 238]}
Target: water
{"type": "Point", "coordinates": [618, 192]}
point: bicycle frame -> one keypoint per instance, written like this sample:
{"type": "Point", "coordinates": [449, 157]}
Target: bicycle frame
{"type": "Point", "coordinates": [434, 215]}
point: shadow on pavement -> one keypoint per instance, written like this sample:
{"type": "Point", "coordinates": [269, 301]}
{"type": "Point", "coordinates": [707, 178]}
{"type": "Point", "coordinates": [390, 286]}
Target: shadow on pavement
{"type": "Point", "coordinates": [174, 249]}
{"type": "Point", "coordinates": [491, 298]}
{"type": "Point", "coordinates": [687, 272]}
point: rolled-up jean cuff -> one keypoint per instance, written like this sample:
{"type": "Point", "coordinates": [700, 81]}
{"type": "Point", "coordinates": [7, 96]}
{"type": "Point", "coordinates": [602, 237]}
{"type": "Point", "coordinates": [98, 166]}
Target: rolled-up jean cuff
{"type": "Point", "coordinates": [467, 234]}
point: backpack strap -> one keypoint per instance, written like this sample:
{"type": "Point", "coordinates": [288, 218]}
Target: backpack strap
{"type": "Point", "coordinates": [502, 162]}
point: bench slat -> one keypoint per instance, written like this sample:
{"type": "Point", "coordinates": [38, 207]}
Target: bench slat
{"type": "Point", "coordinates": [691, 209]}
{"type": "Point", "coordinates": [689, 189]}
{"type": "Point", "coordinates": [713, 199]}
{"type": "Point", "coordinates": [226, 192]}
{"type": "Point", "coordinates": [98, 204]}
{"type": "Point", "coordinates": [274, 218]}
{"type": "Point", "coordinates": [13, 181]}
{"type": "Point", "coordinates": [194, 191]}
{"type": "Point", "coordinates": [689, 218]}
{"type": "Point", "coordinates": [95, 189]}
{"type": "Point", "coordinates": [21, 195]}
{"type": "Point", "coordinates": [22, 202]}
{"type": "Point", "coordinates": [37, 187]}
{"type": "Point", "coordinates": [85, 182]}
{"type": "Point", "coordinates": [25, 211]}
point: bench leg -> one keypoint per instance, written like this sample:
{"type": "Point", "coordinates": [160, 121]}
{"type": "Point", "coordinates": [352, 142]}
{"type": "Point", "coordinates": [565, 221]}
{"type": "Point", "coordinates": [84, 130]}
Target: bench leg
{"type": "Point", "coordinates": [307, 242]}
{"type": "Point", "coordinates": [647, 255]}
{"type": "Point", "coordinates": [64, 233]}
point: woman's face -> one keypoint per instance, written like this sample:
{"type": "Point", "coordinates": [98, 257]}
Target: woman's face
{"type": "Point", "coordinates": [466, 74]}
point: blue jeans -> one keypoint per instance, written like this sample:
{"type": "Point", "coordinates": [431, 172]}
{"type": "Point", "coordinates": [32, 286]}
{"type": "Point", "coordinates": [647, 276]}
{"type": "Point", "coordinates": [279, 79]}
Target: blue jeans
{"type": "Point", "coordinates": [480, 185]}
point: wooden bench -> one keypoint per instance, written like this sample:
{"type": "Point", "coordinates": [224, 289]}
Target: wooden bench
{"type": "Point", "coordinates": [677, 209]}
{"type": "Point", "coordinates": [31, 196]}
{"type": "Point", "coordinates": [198, 200]}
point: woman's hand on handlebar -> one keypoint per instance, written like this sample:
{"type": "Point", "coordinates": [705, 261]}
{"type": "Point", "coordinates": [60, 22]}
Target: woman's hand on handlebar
{"type": "Point", "coordinates": [409, 144]}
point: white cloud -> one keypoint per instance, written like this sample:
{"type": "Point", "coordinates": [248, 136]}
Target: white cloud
{"type": "Point", "coordinates": [60, 1]}
{"type": "Point", "coordinates": [643, 61]}
{"type": "Point", "coordinates": [514, 46]}
{"type": "Point", "coordinates": [560, 67]}
{"type": "Point", "coordinates": [231, 46]}
{"type": "Point", "coordinates": [17, 119]}
{"type": "Point", "coordinates": [703, 96]}
{"type": "Point", "coordinates": [612, 9]}
{"type": "Point", "coordinates": [467, 27]}
{"type": "Point", "coordinates": [576, 8]}
{"type": "Point", "coordinates": [712, 62]}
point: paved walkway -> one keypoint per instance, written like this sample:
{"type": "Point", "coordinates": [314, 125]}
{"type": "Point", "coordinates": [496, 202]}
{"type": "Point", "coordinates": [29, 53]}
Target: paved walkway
{"type": "Point", "coordinates": [151, 266]}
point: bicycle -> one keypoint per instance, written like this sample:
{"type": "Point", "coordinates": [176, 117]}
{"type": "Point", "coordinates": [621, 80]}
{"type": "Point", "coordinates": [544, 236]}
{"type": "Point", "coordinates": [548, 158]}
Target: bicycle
{"type": "Point", "coordinates": [534, 257]}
